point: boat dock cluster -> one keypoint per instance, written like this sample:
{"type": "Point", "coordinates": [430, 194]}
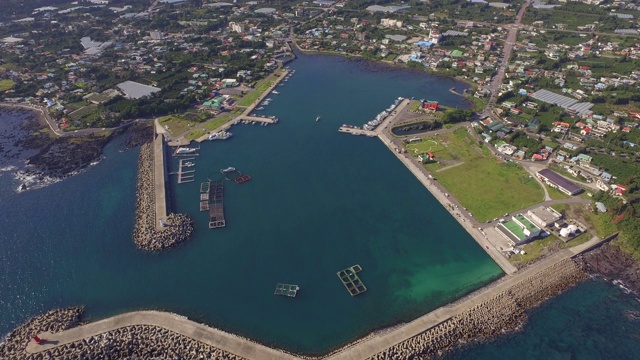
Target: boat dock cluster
{"type": "Point", "coordinates": [185, 176]}
{"type": "Point", "coordinates": [373, 124]}
{"type": "Point", "coordinates": [153, 230]}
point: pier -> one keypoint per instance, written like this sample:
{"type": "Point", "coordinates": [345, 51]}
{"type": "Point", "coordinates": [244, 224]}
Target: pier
{"type": "Point", "coordinates": [351, 280]}
{"type": "Point", "coordinates": [216, 205]}
{"type": "Point", "coordinates": [262, 119]}
{"type": "Point", "coordinates": [159, 178]}
{"type": "Point", "coordinates": [185, 176]}
{"type": "Point", "coordinates": [354, 131]}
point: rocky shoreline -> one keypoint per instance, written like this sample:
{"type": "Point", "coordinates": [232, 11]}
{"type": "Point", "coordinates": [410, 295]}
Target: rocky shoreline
{"type": "Point", "coordinates": [503, 313]}
{"type": "Point", "coordinates": [612, 264]}
{"type": "Point", "coordinates": [178, 227]}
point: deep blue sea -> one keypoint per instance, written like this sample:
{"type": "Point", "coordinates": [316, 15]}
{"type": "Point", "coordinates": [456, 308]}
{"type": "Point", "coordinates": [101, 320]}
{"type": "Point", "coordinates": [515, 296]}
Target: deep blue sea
{"type": "Point", "coordinates": [319, 201]}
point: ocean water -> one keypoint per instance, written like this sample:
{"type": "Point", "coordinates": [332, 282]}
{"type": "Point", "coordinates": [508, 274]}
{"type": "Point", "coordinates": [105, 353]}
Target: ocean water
{"type": "Point", "coordinates": [595, 320]}
{"type": "Point", "coordinates": [319, 201]}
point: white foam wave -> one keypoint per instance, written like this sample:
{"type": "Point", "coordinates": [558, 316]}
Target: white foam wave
{"type": "Point", "coordinates": [8, 168]}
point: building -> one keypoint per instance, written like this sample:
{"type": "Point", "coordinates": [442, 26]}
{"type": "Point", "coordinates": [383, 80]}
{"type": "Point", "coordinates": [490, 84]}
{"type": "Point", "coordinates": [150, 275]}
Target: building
{"type": "Point", "coordinates": [557, 181]}
{"type": "Point", "coordinates": [544, 216]}
{"type": "Point", "coordinates": [236, 27]}
{"type": "Point", "coordinates": [519, 230]}
{"type": "Point", "coordinates": [430, 105]}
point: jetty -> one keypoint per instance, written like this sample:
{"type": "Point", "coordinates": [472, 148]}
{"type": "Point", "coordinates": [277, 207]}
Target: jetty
{"type": "Point", "coordinates": [351, 280]}
{"type": "Point", "coordinates": [216, 205]}
{"type": "Point", "coordinates": [160, 180]}
{"type": "Point", "coordinates": [356, 131]}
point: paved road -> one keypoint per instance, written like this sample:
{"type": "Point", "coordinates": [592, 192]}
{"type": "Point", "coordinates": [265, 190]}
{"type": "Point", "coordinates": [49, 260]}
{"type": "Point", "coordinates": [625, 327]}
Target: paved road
{"type": "Point", "coordinates": [494, 87]}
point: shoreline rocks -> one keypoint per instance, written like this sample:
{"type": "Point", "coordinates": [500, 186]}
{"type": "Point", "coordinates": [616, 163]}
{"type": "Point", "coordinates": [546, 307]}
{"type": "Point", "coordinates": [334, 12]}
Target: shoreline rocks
{"type": "Point", "coordinates": [613, 264]}
{"type": "Point", "coordinates": [178, 227]}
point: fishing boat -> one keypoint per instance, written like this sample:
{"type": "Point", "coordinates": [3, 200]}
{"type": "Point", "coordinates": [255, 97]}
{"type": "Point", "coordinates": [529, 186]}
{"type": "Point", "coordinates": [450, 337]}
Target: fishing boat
{"type": "Point", "coordinates": [185, 150]}
{"type": "Point", "coordinates": [228, 170]}
{"type": "Point", "coordinates": [275, 92]}
{"type": "Point", "coordinates": [318, 118]}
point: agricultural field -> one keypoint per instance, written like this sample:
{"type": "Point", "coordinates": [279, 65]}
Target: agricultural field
{"type": "Point", "coordinates": [6, 84]}
{"type": "Point", "coordinates": [487, 187]}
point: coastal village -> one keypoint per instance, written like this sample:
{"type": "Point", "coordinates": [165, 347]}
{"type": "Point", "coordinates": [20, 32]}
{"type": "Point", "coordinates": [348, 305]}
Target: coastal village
{"type": "Point", "coordinates": [552, 136]}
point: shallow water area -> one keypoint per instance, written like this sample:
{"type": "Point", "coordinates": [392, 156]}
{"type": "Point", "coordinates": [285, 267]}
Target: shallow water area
{"type": "Point", "coordinates": [319, 201]}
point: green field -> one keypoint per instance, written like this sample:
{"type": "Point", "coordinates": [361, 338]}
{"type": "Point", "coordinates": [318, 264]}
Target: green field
{"type": "Point", "coordinates": [176, 125]}
{"type": "Point", "coordinates": [195, 134]}
{"type": "Point", "coordinates": [249, 99]}
{"type": "Point", "coordinates": [217, 122]}
{"type": "Point", "coordinates": [6, 84]}
{"type": "Point", "coordinates": [487, 187]}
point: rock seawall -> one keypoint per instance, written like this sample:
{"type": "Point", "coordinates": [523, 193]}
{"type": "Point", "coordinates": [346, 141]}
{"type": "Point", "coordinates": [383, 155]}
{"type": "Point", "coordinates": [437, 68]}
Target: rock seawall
{"type": "Point", "coordinates": [53, 321]}
{"type": "Point", "coordinates": [504, 312]}
{"type": "Point", "coordinates": [178, 227]}
{"type": "Point", "coordinates": [130, 342]}
{"type": "Point", "coordinates": [612, 264]}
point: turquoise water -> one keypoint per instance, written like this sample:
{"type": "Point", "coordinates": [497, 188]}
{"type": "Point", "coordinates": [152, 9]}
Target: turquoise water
{"type": "Point", "coordinates": [319, 201]}
{"type": "Point", "coordinates": [595, 320]}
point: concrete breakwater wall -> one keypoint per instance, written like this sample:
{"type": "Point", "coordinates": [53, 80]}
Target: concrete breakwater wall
{"type": "Point", "coordinates": [177, 227]}
{"type": "Point", "coordinates": [503, 312]}
{"type": "Point", "coordinates": [54, 321]}
{"type": "Point", "coordinates": [129, 342]}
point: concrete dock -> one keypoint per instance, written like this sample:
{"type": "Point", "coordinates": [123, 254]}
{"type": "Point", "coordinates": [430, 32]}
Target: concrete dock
{"type": "Point", "coordinates": [160, 180]}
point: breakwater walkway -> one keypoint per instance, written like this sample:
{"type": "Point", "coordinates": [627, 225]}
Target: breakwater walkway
{"type": "Point", "coordinates": [159, 180]}
{"type": "Point", "coordinates": [154, 229]}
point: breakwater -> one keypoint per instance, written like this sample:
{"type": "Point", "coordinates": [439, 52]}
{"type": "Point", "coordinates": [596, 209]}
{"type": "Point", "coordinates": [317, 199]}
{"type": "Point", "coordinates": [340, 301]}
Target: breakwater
{"type": "Point", "coordinates": [506, 311]}
{"type": "Point", "coordinates": [147, 235]}
{"type": "Point", "coordinates": [14, 345]}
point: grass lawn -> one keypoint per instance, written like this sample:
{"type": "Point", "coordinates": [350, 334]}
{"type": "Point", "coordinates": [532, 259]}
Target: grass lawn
{"type": "Point", "coordinates": [195, 134]}
{"type": "Point", "coordinates": [487, 187]}
{"type": "Point", "coordinates": [557, 194]}
{"type": "Point", "coordinates": [580, 239]}
{"type": "Point", "coordinates": [249, 99]}
{"type": "Point", "coordinates": [415, 105]}
{"type": "Point", "coordinates": [176, 124]}
{"type": "Point", "coordinates": [217, 122]}
{"type": "Point", "coordinates": [6, 84]}
{"type": "Point", "coordinates": [534, 250]}
{"type": "Point", "coordinates": [76, 105]}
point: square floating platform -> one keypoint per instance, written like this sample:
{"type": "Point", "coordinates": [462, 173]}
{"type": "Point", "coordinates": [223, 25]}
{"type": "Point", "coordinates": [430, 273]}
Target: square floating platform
{"type": "Point", "coordinates": [289, 290]}
{"type": "Point", "coordinates": [351, 281]}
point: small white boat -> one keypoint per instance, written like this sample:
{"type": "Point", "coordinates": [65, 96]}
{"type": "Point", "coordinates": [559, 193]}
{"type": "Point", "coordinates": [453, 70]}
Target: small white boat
{"type": "Point", "coordinates": [228, 170]}
{"type": "Point", "coordinates": [185, 150]}
{"type": "Point", "coordinates": [318, 118]}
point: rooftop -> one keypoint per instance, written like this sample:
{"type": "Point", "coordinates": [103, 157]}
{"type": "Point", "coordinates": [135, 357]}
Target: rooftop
{"type": "Point", "coordinates": [134, 90]}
